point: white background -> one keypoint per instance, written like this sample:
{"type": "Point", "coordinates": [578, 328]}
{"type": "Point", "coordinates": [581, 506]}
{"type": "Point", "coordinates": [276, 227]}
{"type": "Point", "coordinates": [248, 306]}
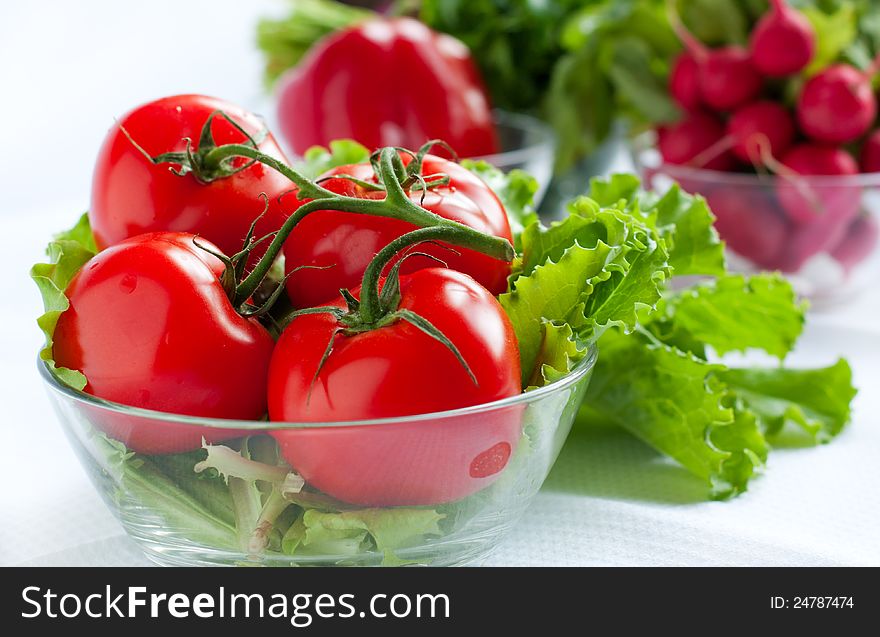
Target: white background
{"type": "Point", "coordinates": [67, 68]}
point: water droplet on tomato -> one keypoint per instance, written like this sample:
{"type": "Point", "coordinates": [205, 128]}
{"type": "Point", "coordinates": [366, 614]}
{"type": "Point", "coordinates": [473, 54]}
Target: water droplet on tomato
{"type": "Point", "coordinates": [128, 284]}
{"type": "Point", "coordinates": [491, 461]}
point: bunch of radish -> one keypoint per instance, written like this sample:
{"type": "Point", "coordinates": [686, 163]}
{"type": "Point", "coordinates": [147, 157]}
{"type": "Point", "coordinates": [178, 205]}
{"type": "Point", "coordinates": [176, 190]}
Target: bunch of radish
{"type": "Point", "coordinates": [808, 151]}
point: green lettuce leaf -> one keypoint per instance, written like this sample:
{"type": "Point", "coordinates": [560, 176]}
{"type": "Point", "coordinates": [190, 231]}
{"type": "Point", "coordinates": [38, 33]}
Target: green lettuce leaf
{"type": "Point", "coordinates": [582, 225]}
{"type": "Point", "coordinates": [557, 356]}
{"type": "Point", "coordinates": [688, 224]}
{"type": "Point", "coordinates": [199, 506]}
{"type": "Point", "coordinates": [733, 313]}
{"type": "Point", "coordinates": [674, 402]}
{"type": "Point", "coordinates": [349, 532]}
{"type": "Point", "coordinates": [317, 160]}
{"type": "Point", "coordinates": [67, 253]}
{"type": "Point", "coordinates": [516, 190]}
{"type": "Point", "coordinates": [685, 221]}
{"type": "Point", "coordinates": [817, 400]}
{"type": "Point", "coordinates": [554, 292]}
{"type": "Point", "coordinates": [593, 270]}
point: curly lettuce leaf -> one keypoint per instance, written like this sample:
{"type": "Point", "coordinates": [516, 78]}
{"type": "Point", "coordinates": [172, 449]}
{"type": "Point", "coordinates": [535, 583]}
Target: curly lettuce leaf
{"type": "Point", "coordinates": [593, 270]}
{"type": "Point", "coordinates": [817, 400]}
{"type": "Point", "coordinates": [583, 226]}
{"type": "Point", "coordinates": [685, 221]}
{"type": "Point", "coordinates": [589, 287]}
{"type": "Point", "coordinates": [553, 292]}
{"type": "Point", "coordinates": [67, 253]}
{"type": "Point", "coordinates": [317, 160]}
{"type": "Point", "coordinates": [198, 505]}
{"type": "Point", "coordinates": [733, 313]}
{"type": "Point", "coordinates": [351, 532]}
{"type": "Point", "coordinates": [233, 494]}
{"type": "Point", "coordinates": [516, 190]}
{"type": "Point", "coordinates": [558, 354]}
{"type": "Point", "coordinates": [674, 402]}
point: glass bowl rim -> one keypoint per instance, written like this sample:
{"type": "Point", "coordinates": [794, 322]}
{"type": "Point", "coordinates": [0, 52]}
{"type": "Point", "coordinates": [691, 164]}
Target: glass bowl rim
{"type": "Point", "coordinates": [645, 142]}
{"type": "Point", "coordinates": [576, 374]}
{"type": "Point", "coordinates": [544, 137]}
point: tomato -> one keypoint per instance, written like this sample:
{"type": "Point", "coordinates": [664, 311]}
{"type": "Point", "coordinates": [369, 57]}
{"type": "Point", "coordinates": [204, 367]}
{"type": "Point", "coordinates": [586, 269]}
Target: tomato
{"type": "Point", "coordinates": [150, 326]}
{"type": "Point", "coordinates": [347, 241]}
{"type": "Point", "coordinates": [387, 82]}
{"type": "Point", "coordinates": [132, 196]}
{"type": "Point", "coordinates": [398, 370]}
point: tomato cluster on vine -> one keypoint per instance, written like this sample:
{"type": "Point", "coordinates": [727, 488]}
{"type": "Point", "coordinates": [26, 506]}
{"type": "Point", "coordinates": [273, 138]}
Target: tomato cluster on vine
{"type": "Point", "coordinates": [391, 267]}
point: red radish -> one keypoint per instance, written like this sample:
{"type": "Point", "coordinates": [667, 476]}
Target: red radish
{"type": "Point", "coordinates": [837, 105]}
{"type": "Point", "coordinates": [684, 82]}
{"type": "Point", "coordinates": [869, 160]}
{"type": "Point", "coordinates": [858, 243]}
{"type": "Point", "coordinates": [806, 200]}
{"type": "Point", "coordinates": [821, 209]}
{"type": "Point", "coordinates": [747, 220]}
{"type": "Point", "coordinates": [759, 129]}
{"type": "Point", "coordinates": [727, 77]}
{"type": "Point", "coordinates": [691, 141]}
{"type": "Point", "coordinates": [821, 237]}
{"type": "Point", "coordinates": [783, 42]}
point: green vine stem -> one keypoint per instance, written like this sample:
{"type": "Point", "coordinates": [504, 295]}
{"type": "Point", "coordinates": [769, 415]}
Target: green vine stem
{"type": "Point", "coordinates": [376, 310]}
{"type": "Point", "coordinates": [211, 162]}
{"type": "Point", "coordinates": [395, 205]}
{"type": "Point", "coordinates": [370, 309]}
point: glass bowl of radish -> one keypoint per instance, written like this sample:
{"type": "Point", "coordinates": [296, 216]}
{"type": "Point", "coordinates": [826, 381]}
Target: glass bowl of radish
{"type": "Point", "coordinates": [435, 489]}
{"type": "Point", "coordinates": [782, 140]}
{"type": "Point", "coordinates": [821, 231]}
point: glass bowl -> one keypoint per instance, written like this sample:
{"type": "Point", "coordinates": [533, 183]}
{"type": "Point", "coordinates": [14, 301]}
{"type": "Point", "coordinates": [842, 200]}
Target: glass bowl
{"type": "Point", "coordinates": [437, 489]}
{"type": "Point", "coordinates": [528, 144]}
{"type": "Point", "coordinates": [820, 231]}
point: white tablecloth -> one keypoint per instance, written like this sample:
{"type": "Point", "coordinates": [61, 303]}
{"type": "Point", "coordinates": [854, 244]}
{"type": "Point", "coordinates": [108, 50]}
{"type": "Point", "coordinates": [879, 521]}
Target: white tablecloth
{"type": "Point", "coordinates": [609, 501]}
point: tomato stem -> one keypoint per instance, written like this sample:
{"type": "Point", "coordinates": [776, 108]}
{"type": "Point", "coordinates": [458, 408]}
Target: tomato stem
{"type": "Point", "coordinates": [211, 162]}
{"type": "Point", "coordinates": [395, 205]}
{"type": "Point", "coordinates": [371, 310]}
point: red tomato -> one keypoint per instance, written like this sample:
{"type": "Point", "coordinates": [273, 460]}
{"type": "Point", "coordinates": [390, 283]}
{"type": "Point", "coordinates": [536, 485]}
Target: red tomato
{"type": "Point", "coordinates": [131, 195]}
{"type": "Point", "coordinates": [348, 241]}
{"type": "Point", "coordinates": [387, 82]}
{"type": "Point", "coordinates": [397, 370]}
{"type": "Point", "coordinates": [150, 326]}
